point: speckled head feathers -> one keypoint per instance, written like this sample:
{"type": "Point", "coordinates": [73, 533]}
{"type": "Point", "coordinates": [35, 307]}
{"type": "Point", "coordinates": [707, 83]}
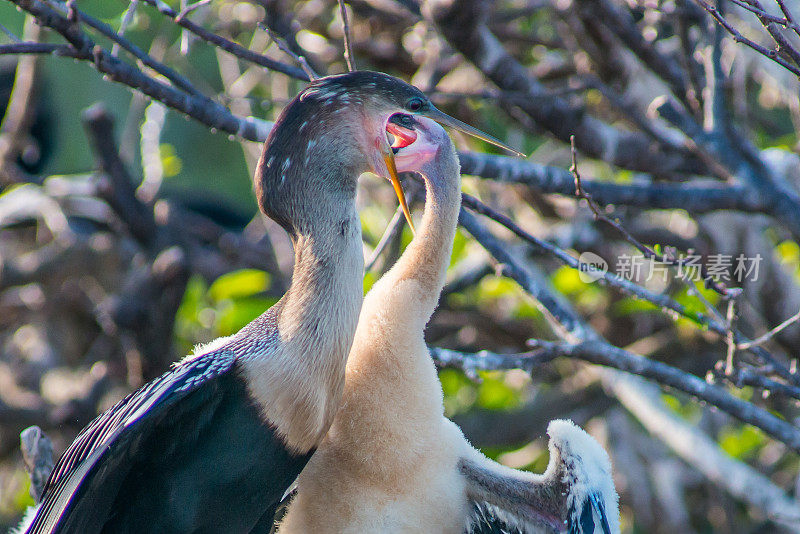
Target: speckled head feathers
{"type": "Point", "coordinates": [367, 86]}
{"type": "Point", "coordinates": [324, 139]}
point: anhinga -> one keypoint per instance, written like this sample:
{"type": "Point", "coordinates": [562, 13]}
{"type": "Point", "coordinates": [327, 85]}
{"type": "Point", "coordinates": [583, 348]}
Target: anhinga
{"type": "Point", "coordinates": [391, 462]}
{"type": "Point", "coordinates": [213, 444]}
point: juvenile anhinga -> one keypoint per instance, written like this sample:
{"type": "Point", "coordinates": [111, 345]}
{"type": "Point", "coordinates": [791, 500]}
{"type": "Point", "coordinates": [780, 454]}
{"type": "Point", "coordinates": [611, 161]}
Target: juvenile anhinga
{"type": "Point", "coordinates": [391, 462]}
{"type": "Point", "coordinates": [213, 444]}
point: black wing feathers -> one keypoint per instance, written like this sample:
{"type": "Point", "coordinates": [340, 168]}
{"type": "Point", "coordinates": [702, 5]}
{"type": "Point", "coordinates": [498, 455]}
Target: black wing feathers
{"type": "Point", "coordinates": [101, 435]}
{"type": "Point", "coordinates": [186, 453]}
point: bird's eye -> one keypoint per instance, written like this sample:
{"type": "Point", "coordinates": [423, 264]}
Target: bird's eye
{"type": "Point", "coordinates": [415, 104]}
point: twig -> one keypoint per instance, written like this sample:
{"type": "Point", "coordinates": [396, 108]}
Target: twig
{"type": "Point", "coordinates": [754, 377]}
{"type": "Point", "coordinates": [611, 356]}
{"type": "Point", "coordinates": [202, 109]}
{"type": "Point", "coordinates": [739, 38]}
{"type": "Point", "coordinates": [550, 179]}
{"type": "Point", "coordinates": [118, 190]}
{"type": "Point", "coordinates": [772, 333]}
{"type": "Point", "coordinates": [486, 360]}
{"type": "Point", "coordinates": [348, 46]}
{"type": "Point", "coordinates": [500, 252]}
{"type": "Point", "coordinates": [19, 112]}
{"type": "Point", "coordinates": [152, 167]}
{"type": "Point", "coordinates": [789, 16]}
{"type": "Point", "coordinates": [138, 53]}
{"type": "Point", "coordinates": [600, 352]}
{"type": "Point", "coordinates": [620, 21]}
{"type": "Point", "coordinates": [729, 342]}
{"type": "Point", "coordinates": [771, 23]}
{"type": "Point", "coordinates": [624, 285]}
{"type": "Point", "coordinates": [38, 48]}
{"type": "Point", "coordinates": [780, 200]}
{"type": "Point", "coordinates": [463, 24]}
{"type": "Point", "coordinates": [761, 14]}
{"type": "Point", "coordinates": [185, 11]}
{"type": "Point", "coordinates": [466, 279]}
{"type": "Point", "coordinates": [717, 119]}
{"type": "Point", "coordinates": [284, 46]}
{"type": "Point", "coordinates": [127, 18]}
{"type": "Point", "coordinates": [9, 34]}
{"type": "Point", "coordinates": [648, 252]}
{"type": "Point", "coordinates": [690, 443]}
{"type": "Point", "coordinates": [227, 45]}
{"type": "Point", "coordinates": [564, 321]}
{"type": "Point", "coordinates": [394, 227]}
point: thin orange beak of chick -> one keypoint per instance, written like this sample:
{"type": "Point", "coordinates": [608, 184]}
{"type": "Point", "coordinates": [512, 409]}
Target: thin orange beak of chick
{"type": "Point", "coordinates": [398, 189]}
{"type": "Point", "coordinates": [402, 138]}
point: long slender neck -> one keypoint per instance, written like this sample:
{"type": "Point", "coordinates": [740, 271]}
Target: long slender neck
{"type": "Point", "coordinates": [427, 257]}
{"type": "Point", "coordinates": [298, 379]}
{"type": "Point", "coordinates": [321, 307]}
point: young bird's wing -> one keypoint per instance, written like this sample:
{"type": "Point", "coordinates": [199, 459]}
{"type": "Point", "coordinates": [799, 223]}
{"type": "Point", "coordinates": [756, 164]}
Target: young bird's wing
{"type": "Point", "coordinates": [592, 518]}
{"type": "Point", "coordinates": [575, 495]}
{"type": "Point", "coordinates": [484, 520]}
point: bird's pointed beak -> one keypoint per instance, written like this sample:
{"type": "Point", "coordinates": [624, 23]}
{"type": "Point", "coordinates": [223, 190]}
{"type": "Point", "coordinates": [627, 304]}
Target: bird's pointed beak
{"type": "Point", "coordinates": [446, 120]}
{"type": "Point", "coordinates": [388, 158]}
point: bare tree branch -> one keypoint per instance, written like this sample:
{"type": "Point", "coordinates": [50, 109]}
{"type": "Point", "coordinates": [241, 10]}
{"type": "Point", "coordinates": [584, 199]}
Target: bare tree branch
{"type": "Point", "coordinates": [203, 109]}
{"type": "Point", "coordinates": [348, 47]}
{"type": "Point", "coordinates": [770, 53]}
{"type": "Point", "coordinates": [463, 23]}
{"type": "Point", "coordinates": [227, 45]}
{"type": "Point", "coordinates": [741, 480]}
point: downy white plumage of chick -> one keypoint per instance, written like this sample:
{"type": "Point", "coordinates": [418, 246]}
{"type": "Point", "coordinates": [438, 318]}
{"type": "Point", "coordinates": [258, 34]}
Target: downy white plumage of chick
{"type": "Point", "coordinates": [392, 462]}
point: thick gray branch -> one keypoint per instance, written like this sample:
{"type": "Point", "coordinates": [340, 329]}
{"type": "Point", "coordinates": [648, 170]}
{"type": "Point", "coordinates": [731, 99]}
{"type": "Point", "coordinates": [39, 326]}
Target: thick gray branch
{"type": "Point", "coordinates": [548, 179]}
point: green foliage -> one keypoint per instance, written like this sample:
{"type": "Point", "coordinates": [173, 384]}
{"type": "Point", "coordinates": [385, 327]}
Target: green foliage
{"type": "Point", "coordinates": [460, 247]}
{"type": "Point", "coordinates": [373, 223]}
{"type": "Point", "coordinates": [491, 392]}
{"type": "Point", "coordinates": [18, 485]}
{"type": "Point", "coordinates": [741, 441]}
{"type": "Point", "coordinates": [632, 306]}
{"type": "Point", "coordinates": [459, 392]}
{"type": "Point", "coordinates": [170, 161]}
{"type": "Point", "coordinates": [495, 394]}
{"type": "Point", "coordinates": [683, 407]}
{"type": "Point", "coordinates": [239, 284]}
{"type": "Point", "coordinates": [789, 254]}
{"type": "Point", "coordinates": [498, 293]}
{"type": "Point", "coordinates": [369, 280]}
{"type": "Point", "coordinates": [216, 169]}
{"type": "Point", "coordinates": [200, 163]}
{"type": "Point", "coordinates": [589, 296]}
{"type": "Point", "coordinates": [222, 309]}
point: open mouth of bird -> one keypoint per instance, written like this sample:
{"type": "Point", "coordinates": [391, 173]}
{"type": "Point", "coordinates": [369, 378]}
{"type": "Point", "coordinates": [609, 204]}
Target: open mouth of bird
{"type": "Point", "coordinates": [399, 134]}
{"type": "Point", "coordinates": [400, 131]}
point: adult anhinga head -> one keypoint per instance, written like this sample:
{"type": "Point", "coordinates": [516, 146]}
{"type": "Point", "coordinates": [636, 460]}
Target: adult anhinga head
{"type": "Point", "coordinates": [339, 123]}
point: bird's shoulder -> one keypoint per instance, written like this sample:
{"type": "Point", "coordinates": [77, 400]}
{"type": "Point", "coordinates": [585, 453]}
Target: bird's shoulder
{"type": "Point", "coordinates": [159, 394]}
{"type": "Point", "coordinates": [161, 416]}
{"type": "Point", "coordinates": [202, 368]}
